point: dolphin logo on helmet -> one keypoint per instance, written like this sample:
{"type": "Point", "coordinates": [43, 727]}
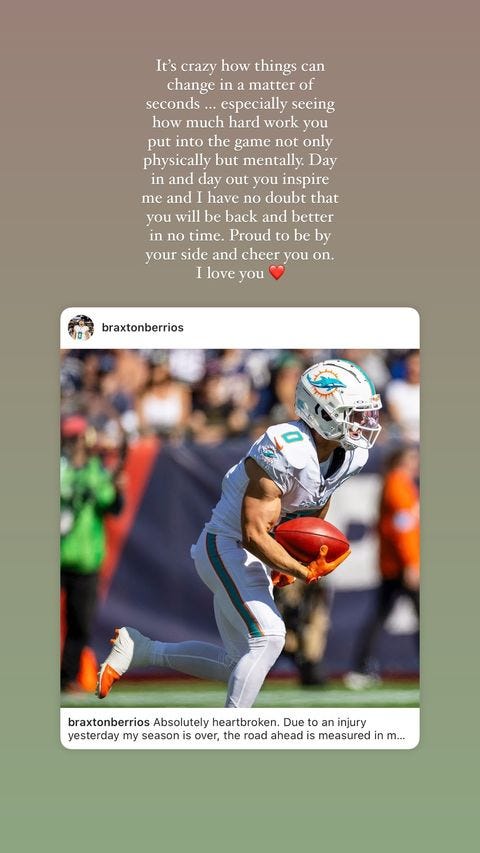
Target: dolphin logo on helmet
{"type": "Point", "coordinates": [326, 382]}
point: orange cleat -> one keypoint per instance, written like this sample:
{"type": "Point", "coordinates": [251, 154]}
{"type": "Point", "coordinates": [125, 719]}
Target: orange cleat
{"type": "Point", "coordinates": [106, 679]}
{"type": "Point", "coordinates": [107, 675]}
{"type": "Point", "coordinates": [128, 646]}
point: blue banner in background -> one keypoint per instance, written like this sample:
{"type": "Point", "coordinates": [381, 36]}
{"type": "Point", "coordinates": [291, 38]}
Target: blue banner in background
{"type": "Point", "coordinates": [155, 587]}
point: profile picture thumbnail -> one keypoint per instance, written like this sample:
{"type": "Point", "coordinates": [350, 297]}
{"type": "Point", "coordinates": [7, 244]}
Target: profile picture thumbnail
{"type": "Point", "coordinates": [80, 328]}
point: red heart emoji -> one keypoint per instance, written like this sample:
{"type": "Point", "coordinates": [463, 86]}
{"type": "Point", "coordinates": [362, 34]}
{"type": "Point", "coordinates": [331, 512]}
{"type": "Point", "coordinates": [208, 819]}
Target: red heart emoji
{"type": "Point", "coordinates": [277, 272]}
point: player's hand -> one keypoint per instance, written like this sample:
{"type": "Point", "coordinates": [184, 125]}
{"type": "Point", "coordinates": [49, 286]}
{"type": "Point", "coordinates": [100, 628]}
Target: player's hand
{"type": "Point", "coordinates": [319, 568]}
{"type": "Point", "coordinates": [280, 579]}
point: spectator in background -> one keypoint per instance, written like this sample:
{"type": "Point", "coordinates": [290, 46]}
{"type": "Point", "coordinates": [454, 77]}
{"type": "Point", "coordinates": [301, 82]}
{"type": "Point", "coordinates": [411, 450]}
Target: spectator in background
{"type": "Point", "coordinates": [216, 415]}
{"type": "Point", "coordinates": [87, 492]}
{"type": "Point", "coordinates": [224, 400]}
{"type": "Point", "coordinates": [165, 405]}
{"type": "Point", "coordinates": [312, 356]}
{"type": "Point", "coordinates": [306, 613]}
{"type": "Point", "coordinates": [187, 365]}
{"type": "Point", "coordinates": [71, 368]}
{"type": "Point", "coordinates": [259, 365]}
{"type": "Point", "coordinates": [131, 370]}
{"type": "Point", "coordinates": [285, 377]}
{"type": "Point", "coordinates": [403, 400]}
{"type": "Point", "coordinates": [399, 539]}
{"type": "Point", "coordinates": [231, 366]}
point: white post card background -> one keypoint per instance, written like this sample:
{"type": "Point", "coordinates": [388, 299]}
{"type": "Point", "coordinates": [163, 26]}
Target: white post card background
{"type": "Point", "coordinates": [298, 328]}
{"type": "Point", "coordinates": [193, 728]}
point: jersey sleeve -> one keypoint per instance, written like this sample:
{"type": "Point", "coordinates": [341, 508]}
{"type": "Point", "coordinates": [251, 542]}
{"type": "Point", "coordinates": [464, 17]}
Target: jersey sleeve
{"type": "Point", "coordinates": [282, 451]}
{"type": "Point", "coordinates": [266, 454]}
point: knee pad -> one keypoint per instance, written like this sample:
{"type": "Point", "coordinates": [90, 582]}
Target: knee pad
{"type": "Point", "coordinates": [271, 645]}
{"type": "Point", "coordinates": [275, 645]}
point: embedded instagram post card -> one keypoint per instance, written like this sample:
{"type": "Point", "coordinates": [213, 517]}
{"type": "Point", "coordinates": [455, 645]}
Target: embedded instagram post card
{"type": "Point", "coordinates": [239, 528]}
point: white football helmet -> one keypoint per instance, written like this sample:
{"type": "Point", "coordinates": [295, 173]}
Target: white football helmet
{"type": "Point", "coordinates": [338, 400]}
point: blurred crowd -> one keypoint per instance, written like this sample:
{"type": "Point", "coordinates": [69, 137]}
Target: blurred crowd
{"type": "Point", "coordinates": [209, 395]}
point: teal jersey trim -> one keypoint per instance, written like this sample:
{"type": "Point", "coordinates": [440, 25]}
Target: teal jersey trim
{"type": "Point", "coordinates": [302, 513]}
{"type": "Point", "coordinates": [219, 568]}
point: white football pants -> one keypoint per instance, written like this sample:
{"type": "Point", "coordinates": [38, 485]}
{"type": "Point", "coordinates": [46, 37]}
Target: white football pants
{"type": "Point", "coordinates": [251, 628]}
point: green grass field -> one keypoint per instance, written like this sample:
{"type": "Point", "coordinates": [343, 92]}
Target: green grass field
{"type": "Point", "coordinates": [274, 694]}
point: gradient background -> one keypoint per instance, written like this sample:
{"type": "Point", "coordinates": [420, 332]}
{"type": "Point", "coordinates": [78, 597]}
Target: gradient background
{"type": "Point", "coordinates": [75, 79]}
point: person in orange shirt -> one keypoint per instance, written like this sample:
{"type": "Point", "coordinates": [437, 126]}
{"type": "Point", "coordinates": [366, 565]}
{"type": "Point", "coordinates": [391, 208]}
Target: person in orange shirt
{"type": "Point", "coordinates": [399, 563]}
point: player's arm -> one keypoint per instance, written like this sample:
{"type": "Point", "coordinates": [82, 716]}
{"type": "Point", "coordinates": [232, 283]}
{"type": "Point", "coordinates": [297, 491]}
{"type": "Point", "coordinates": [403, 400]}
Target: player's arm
{"type": "Point", "coordinates": [261, 509]}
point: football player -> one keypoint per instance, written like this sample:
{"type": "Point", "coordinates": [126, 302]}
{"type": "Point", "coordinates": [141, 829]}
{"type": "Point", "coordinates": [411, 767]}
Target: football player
{"type": "Point", "coordinates": [293, 469]}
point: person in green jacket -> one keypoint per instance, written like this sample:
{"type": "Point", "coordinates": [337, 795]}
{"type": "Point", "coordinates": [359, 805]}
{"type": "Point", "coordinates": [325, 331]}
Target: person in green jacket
{"type": "Point", "coordinates": [87, 493]}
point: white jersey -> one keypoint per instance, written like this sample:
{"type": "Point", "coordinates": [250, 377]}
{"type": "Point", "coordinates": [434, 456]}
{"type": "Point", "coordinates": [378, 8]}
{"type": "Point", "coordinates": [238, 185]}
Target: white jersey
{"type": "Point", "coordinates": [288, 455]}
{"type": "Point", "coordinates": [82, 333]}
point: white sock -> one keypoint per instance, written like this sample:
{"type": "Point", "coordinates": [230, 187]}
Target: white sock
{"type": "Point", "coordinates": [203, 660]}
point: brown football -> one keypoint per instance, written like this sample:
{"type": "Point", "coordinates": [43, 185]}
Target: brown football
{"type": "Point", "coordinates": [302, 537]}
